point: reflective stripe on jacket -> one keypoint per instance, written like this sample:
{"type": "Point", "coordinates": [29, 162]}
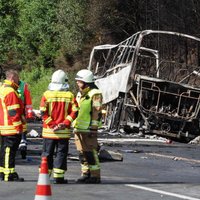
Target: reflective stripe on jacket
{"type": "Point", "coordinates": [10, 110]}
{"type": "Point", "coordinates": [57, 107]}
{"type": "Point", "coordinates": [84, 119]}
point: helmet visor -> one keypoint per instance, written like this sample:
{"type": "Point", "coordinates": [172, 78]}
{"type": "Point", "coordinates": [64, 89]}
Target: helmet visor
{"type": "Point", "coordinates": [78, 77]}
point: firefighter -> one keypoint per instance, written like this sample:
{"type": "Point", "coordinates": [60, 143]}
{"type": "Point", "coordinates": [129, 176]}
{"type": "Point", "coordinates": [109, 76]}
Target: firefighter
{"type": "Point", "coordinates": [86, 126]}
{"type": "Point", "coordinates": [25, 96]}
{"type": "Point", "coordinates": [58, 109]}
{"type": "Point", "coordinates": [11, 126]}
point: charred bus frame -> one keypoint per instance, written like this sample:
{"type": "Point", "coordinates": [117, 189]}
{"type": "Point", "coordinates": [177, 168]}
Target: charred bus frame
{"type": "Point", "coordinates": [150, 83]}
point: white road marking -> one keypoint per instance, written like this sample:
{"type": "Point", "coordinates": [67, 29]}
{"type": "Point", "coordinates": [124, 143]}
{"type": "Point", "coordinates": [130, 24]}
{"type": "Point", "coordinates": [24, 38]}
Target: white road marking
{"type": "Point", "coordinates": [174, 157]}
{"type": "Point", "coordinates": [124, 140]}
{"type": "Point", "coordinates": [161, 192]}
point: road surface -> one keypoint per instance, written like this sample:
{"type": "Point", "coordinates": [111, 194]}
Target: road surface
{"type": "Point", "coordinates": [150, 170]}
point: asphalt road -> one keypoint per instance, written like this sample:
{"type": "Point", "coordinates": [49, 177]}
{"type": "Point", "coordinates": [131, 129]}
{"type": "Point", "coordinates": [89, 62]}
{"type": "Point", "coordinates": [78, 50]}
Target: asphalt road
{"type": "Point", "coordinates": [150, 170]}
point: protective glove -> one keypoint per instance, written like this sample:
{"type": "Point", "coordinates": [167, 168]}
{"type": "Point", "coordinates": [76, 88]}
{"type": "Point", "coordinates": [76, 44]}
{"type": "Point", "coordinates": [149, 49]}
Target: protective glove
{"type": "Point", "coordinates": [60, 126]}
{"type": "Point", "coordinates": [19, 132]}
{"type": "Point", "coordinates": [67, 123]}
{"type": "Point", "coordinates": [52, 124]}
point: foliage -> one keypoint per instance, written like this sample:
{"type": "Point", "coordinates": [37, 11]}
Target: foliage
{"type": "Point", "coordinates": [37, 41]}
{"type": "Point", "coordinates": [55, 33]}
{"type": "Point", "coordinates": [39, 79]}
{"type": "Point", "coordinates": [71, 25]}
{"type": "Point", "coordinates": [8, 19]}
{"type": "Point", "coordinates": [40, 35]}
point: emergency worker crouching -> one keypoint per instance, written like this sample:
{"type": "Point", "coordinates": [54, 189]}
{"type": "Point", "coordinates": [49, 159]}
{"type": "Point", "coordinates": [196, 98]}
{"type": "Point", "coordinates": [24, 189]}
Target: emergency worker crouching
{"type": "Point", "coordinates": [58, 108]}
{"type": "Point", "coordinates": [86, 126]}
{"type": "Point", "coordinates": [11, 126]}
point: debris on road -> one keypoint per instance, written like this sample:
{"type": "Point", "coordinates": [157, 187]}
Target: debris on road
{"type": "Point", "coordinates": [107, 155]}
{"type": "Point", "coordinates": [104, 155]}
{"type": "Point", "coordinates": [33, 133]}
{"type": "Point", "coordinates": [195, 140]}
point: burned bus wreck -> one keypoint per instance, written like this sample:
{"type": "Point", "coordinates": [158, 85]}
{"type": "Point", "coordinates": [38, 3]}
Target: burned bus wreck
{"type": "Point", "coordinates": [151, 83]}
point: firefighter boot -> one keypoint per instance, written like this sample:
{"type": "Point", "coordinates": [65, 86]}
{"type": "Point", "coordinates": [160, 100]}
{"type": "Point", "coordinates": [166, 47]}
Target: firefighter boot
{"type": "Point", "coordinates": [60, 181]}
{"type": "Point", "coordinates": [93, 180]}
{"type": "Point", "coordinates": [1, 176]}
{"type": "Point", "coordinates": [83, 178]}
{"type": "Point", "coordinates": [14, 177]}
{"type": "Point", "coordinates": [23, 148]}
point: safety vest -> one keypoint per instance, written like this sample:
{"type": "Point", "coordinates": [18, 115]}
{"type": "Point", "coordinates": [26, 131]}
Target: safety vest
{"type": "Point", "coordinates": [84, 115]}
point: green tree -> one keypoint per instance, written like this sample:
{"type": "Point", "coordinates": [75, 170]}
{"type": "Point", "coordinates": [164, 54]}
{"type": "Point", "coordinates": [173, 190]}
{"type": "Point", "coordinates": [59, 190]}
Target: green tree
{"type": "Point", "coordinates": [37, 40]}
{"type": "Point", "coordinates": [71, 25]}
{"type": "Point", "coordinates": [8, 22]}
{"type": "Point", "coordinates": [38, 79]}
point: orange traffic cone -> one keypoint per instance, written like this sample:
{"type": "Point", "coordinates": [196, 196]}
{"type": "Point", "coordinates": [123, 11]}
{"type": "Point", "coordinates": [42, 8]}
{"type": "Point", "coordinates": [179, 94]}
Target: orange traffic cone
{"type": "Point", "coordinates": [43, 190]}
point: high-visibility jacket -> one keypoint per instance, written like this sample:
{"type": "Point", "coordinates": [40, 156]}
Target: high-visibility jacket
{"type": "Point", "coordinates": [25, 96]}
{"type": "Point", "coordinates": [57, 107]}
{"type": "Point", "coordinates": [89, 115]}
{"type": "Point", "coordinates": [11, 109]}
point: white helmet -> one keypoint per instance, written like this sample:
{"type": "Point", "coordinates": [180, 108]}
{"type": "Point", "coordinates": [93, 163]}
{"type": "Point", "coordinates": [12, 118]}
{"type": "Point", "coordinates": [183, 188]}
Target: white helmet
{"type": "Point", "coordinates": [59, 76]}
{"type": "Point", "coordinates": [85, 75]}
{"type": "Point", "coordinates": [59, 81]}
